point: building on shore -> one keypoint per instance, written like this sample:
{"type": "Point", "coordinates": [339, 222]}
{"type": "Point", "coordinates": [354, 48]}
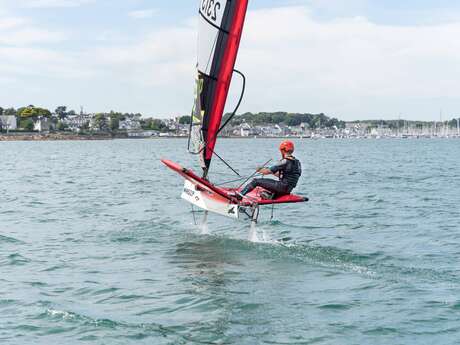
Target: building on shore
{"type": "Point", "coordinates": [130, 123]}
{"type": "Point", "coordinates": [246, 130]}
{"type": "Point", "coordinates": [143, 134]}
{"type": "Point", "coordinates": [8, 123]}
{"type": "Point", "coordinates": [78, 122]}
{"type": "Point", "coordinates": [42, 125]}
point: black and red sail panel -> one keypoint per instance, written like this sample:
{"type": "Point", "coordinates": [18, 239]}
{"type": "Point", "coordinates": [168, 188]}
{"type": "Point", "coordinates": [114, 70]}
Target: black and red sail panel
{"type": "Point", "coordinates": [220, 28]}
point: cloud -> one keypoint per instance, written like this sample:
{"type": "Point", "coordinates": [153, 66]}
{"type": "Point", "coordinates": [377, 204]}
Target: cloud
{"type": "Point", "coordinates": [10, 22]}
{"type": "Point", "coordinates": [22, 62]}
{"type": "Point", "coordinates": [16, 31]}
{"type": "Point", "coordinates": [338, 6]}
{"type": "Point", "coordinates": [28, 50]}
{"type": "Point", "coordinates": [350, 67]}
{"type": "Point", "coordinates": [143, 14]}
{"type": "Point", "coordinates": [31, 35]}
{"type": "Point", "coordinates": [161, 58]}
{"type": "Point", "coordinates": [102, 77]}
{"type": "Point", "coordinates": [53, 3]}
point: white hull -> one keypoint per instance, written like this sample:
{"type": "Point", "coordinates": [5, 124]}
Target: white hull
{"type": "Point", "coordinates": [209, 201]}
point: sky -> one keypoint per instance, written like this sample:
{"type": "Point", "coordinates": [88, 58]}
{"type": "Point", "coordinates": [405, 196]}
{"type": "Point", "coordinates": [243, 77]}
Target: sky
{"type": "Point", "coordinates": [351, 59]}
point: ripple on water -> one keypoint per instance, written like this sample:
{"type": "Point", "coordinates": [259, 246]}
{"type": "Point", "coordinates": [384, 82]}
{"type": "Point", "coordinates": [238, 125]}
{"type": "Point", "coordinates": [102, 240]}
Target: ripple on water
{"type": "Point", "coordinates": [9, 240]}
{"type": "Point", "coordinates": [14, 259]}
{"type": "Point", "coordinates": [336, 306]}
{"type": "Point", "coordinates": [86, 324]}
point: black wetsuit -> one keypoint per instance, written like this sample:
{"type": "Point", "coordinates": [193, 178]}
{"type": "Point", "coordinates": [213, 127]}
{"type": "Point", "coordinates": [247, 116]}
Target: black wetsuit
{"type": "Point", "coordinates": [289, 170]}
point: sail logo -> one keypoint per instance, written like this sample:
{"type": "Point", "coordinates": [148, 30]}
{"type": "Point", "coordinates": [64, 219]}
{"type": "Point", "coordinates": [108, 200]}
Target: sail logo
{"type": "Point", "coordinates": [211, 9]}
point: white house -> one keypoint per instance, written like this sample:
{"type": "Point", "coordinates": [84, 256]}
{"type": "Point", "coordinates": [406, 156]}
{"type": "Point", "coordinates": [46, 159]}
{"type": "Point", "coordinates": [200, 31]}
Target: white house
{"type": "Point", "coordinates": [8, 122]}
{"type": "Point", "coordinates": [245, 130]}
{"type": "Point", "coordinates": [131, 123]}
{"type": "Point", "coordinates": [77, 122]}
{"type": "Point", "coordinates": [42, 124]}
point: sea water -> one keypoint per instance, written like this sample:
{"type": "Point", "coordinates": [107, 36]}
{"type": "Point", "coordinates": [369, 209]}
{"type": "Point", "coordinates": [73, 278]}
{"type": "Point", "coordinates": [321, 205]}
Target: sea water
{"type": "Point", "coordinates": [96, 246]}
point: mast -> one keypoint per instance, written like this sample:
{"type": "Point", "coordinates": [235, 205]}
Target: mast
{"type": "Point", "coordinates": [441, 124]}
{"type": "Point", "coordinates": [220, 28]}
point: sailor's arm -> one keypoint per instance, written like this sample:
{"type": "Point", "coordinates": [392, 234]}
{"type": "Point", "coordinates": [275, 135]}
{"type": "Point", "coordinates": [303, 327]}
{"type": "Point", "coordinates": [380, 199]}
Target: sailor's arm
{"type": "Point", "coordinates": [264, 171]}
{"type": "Point", "coordinates": [275, 169]}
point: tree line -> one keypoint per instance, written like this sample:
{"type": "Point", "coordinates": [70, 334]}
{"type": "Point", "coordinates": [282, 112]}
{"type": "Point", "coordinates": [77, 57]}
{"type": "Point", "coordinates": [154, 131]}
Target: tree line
{"type": "Point", "coordinates": [107, 121]}
{"type": "Point", "coordinates": [313, 121]}
{"type": "Point", "coordinates": [26, 115]}
{"type": "Point", "coordinates": [110, 121]}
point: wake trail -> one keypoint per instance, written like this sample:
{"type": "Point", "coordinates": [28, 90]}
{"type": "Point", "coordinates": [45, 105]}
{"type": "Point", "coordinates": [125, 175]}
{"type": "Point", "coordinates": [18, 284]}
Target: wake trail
{"type": "Point", "coordinates": [376, 265]}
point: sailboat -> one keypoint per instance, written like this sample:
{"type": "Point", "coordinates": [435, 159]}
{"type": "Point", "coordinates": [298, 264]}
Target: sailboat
{"type": "Point", "coordinates": [220, 29]}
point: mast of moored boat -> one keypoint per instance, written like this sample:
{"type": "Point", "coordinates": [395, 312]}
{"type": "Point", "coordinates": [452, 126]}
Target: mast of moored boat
{"type": "Point", "coordinates": [458, 127]}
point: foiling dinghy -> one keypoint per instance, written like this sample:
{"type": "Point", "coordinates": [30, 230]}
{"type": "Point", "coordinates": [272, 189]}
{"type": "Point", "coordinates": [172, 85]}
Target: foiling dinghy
{"type": "Point", "coordinates": [220, 28]}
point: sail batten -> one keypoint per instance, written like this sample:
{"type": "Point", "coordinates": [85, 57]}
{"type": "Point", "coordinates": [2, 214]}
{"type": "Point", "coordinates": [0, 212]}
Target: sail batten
{"type": "Point", "coordinates": [220, 28]}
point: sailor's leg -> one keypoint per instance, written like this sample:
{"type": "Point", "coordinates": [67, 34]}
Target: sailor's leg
{"type": "Point", "coordinates": [253, 184]}
{"type": "Point", "coordinates": [273, 186]}
{"type": "Point", "coordinates": [250, 186]}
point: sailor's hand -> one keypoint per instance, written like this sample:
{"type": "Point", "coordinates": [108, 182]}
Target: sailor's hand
{"type": "Point", "coordinates": [258, 169]}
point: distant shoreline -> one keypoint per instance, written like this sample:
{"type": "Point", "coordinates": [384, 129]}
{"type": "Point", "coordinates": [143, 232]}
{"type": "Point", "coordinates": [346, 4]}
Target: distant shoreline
{"type": "Point", "coordinates": [31, 136]}
{"type": "Point", "coordinates": [107, 136]}
{"type": "Point", "coordinates": [51, 137]}
{"type": "Point", "coordinates": [96, 137]}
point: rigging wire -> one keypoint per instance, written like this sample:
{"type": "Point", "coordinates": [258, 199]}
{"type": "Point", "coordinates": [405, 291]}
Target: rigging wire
{"type": "Point", "coordinates": [232, 181]}
{"type": "Point", "coordinates": [245, 178]}
{"type": "Point", "coordinates": [223, 161]}
{"type": "Point", "coordinates": [255, 173]}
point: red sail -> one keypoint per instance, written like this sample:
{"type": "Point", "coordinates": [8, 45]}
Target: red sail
{"type": "Point", "coordinates": [221, 26]}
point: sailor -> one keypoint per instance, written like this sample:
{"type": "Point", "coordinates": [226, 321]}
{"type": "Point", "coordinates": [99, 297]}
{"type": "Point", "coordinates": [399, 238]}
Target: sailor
{"type": "Point", "coordinates": [288, 170]}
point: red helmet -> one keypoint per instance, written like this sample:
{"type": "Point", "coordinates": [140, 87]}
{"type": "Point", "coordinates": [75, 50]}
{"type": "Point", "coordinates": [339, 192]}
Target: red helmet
{"type": "Point", "coordinates": [287, 146]}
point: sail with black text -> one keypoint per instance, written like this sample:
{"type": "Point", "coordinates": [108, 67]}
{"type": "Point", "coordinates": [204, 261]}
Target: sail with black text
{"type": "Point", "coordinates": [220, 28]}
